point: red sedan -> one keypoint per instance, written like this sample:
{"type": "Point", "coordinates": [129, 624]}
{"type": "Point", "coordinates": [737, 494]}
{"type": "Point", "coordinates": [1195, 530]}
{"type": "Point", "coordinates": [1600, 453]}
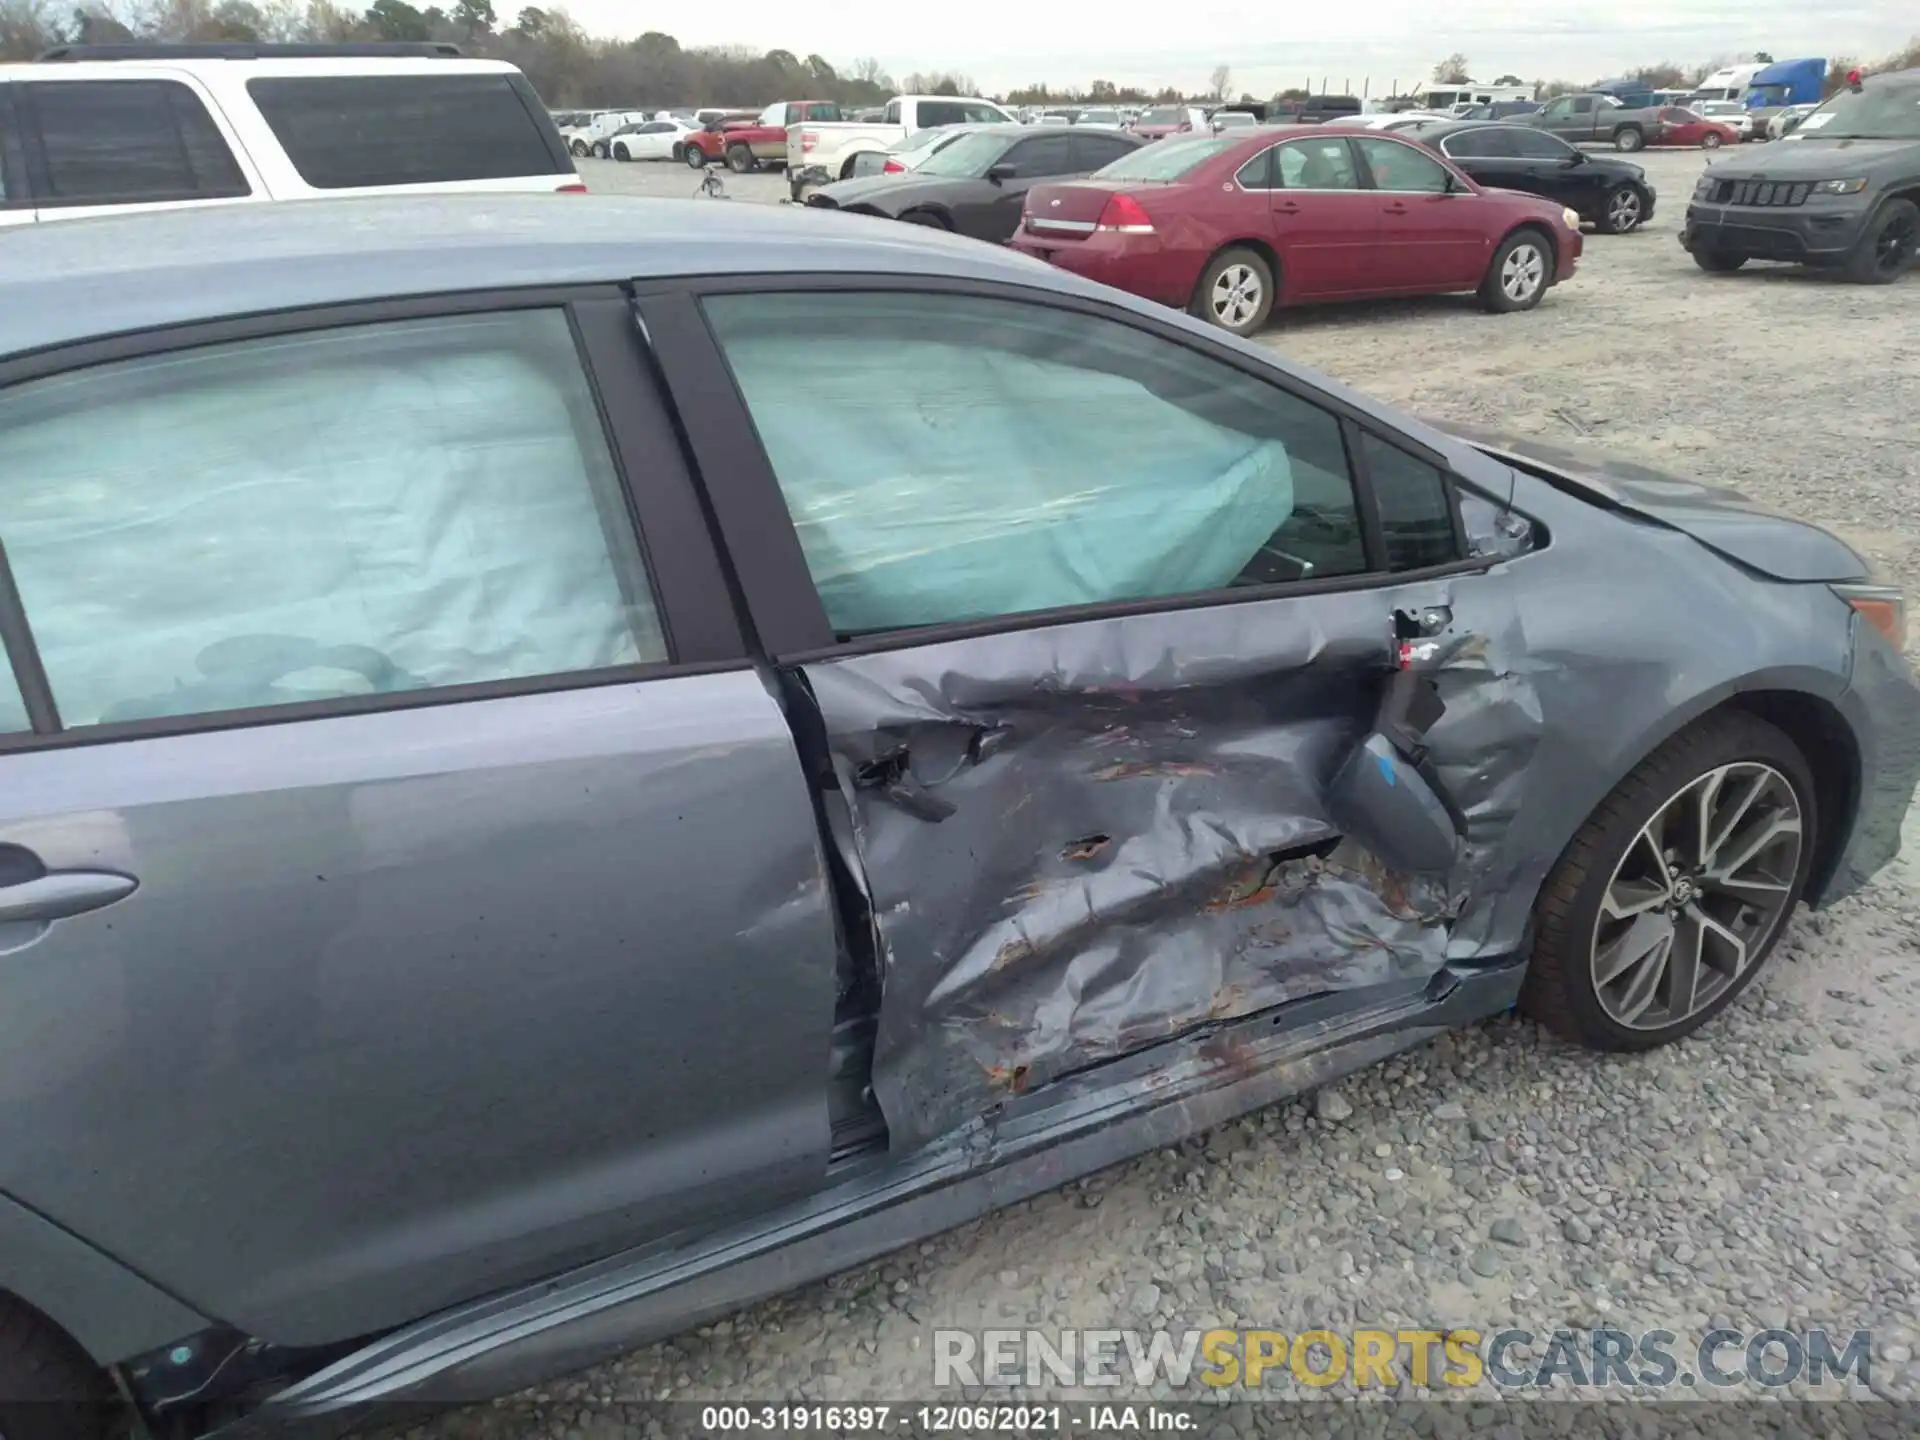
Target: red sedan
{"type": "Point", "coordinates": [1683, 127]}
{"type": "Point", "coordinates": [1229, 225]}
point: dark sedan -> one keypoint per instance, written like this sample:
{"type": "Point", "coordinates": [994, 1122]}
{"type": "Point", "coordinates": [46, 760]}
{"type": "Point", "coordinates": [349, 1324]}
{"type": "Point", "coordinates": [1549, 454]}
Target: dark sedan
{"type": "Point", "coordinates": [977, 185]}
{"type": "Point", "coordinates": [1614, 196]}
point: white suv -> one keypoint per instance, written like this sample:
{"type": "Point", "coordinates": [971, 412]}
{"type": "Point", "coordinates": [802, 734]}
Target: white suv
{"type": "Point", "coordinates": [98, 129]}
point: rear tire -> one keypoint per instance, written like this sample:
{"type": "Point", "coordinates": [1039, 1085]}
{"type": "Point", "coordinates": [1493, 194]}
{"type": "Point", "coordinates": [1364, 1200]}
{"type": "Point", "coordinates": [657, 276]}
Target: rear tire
{"type": "Point", "coordinates": [1520, 273]}
{"type": "Point", "coordinates": [1887, 246]}
{"type": "Point", "coordinates": [1719, 262]}
{"type": "Point", "coordinates": [694, 159]}
{"type": "Point", "coordinates": [1236, 292]}
{"type": "Point", "coordinates": [1711, 142]}
{"type": "Point", "coordinates": [1629, 138]}
{"type": "Point", "coordinates": [622, 154]}
{"type": "Point", "coordinates": [1565, 988]}
{"type": "Point", "coordinates": [579, 148]}
{"type": "Point", "coordinates": [49, 1389]}
{"type": "Point", "coordinates": [740, 160]}
{"type": "Point", "coordinates": [599, 149]}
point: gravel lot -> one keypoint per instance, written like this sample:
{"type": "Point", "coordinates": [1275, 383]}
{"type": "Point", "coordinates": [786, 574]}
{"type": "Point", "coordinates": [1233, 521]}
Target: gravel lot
{"type": "Point", "coordinates": [1762, 1174]}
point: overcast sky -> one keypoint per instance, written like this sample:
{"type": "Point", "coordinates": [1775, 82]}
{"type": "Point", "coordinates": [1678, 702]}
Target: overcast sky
{"type": "Point", "coordinates": [1005, 43]}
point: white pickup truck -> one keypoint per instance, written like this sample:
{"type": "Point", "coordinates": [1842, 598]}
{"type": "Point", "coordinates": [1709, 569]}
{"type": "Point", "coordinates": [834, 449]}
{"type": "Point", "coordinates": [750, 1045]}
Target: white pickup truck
{"type": "Point", "coordinates": [824, 151]}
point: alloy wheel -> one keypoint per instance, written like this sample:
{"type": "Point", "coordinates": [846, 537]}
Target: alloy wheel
{"type": "Point", "coordinates": [1236, 296]}
{"type": "Point", "coordinates": [1895, 246]}
{"type": "Point", "coordinates": [1697, 895]}
{"type": "Point", "coordinates": [1523, 273]}
{"type": "Point", "coordinates": [1712, 141]}
{"type": "Point", "coordinates": [1623, 210]}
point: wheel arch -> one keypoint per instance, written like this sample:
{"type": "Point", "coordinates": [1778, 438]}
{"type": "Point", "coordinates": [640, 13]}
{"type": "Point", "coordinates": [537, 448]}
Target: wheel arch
{"type": "Point", "coordinates": [929, 207]}
{"type": "Point", "coordinates": [1540, 228]}
{"type": "Point", "coordinates": [1259, 247]}
{"type": "Point", "coordinates": [1803, 706]}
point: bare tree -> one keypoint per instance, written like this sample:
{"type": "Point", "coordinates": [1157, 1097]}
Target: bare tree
{"type": "Point", "coordinates": [1222, 78]}
{"type": "Point", "coordinates": [1452, 70]}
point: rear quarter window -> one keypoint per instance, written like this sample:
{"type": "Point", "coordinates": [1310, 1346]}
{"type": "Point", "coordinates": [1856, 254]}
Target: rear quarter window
{"type": "Point", "coordinates": [348, 131]}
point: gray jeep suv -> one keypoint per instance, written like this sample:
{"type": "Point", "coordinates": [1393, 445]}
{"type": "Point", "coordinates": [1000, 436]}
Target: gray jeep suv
{"type": "Point", "coordinates": [1842, 191]}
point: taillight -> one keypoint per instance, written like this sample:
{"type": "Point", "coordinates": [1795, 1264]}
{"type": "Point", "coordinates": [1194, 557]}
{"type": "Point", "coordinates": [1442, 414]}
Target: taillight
{"type": "Point", "coordinates": [893, 167]}
{"type": "Point", "coordinates": [1125, 215]}
{"type": "Point", "coordinates": [808, 139]}
{"type": "Point", "coordinates": [577, 188]}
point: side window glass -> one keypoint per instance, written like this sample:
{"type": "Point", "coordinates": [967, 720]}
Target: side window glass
{"type": "Point", "coordinates": [982, 115]}
{"type": "Point", "coordinates": [893, 114]}
{"type": "Point", "coordinates": [1536, 145]}
{"type": "Point", "coordinates": [1257, 173]}
{"type": "Point", "coordinates": [1317, 165]}
{"type": "Point", "coordinates": [1042, 155]}
{"type": "Point", "coordinates": [371, 509]}
{"type": "Point", "coordinates": [1489, 144]}
{"type": "Point", "coordinates": [1090, 152]}
{"type": "Point", "coordinates": [1027, 458]}
{"type": "Point", "coordinates": [1583, 106]}
{"type": "Point", "coordinates": [128, 141]}
{"type": "Point", "coordinates": [8, 139]}
{"type": "Point", "coordinates": [1401, 167]}
{"type": "Point", "coordinates": [1416, 519]}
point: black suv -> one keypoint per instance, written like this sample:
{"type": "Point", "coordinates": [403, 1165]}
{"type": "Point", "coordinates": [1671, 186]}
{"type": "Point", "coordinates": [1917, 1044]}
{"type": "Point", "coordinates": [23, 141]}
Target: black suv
{"type": "Point", "coordinates": [1843, 191]}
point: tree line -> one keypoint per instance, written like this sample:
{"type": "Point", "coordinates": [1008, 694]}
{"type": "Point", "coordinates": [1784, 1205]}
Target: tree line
{"type": "Point", "coordinates": [571, 68]}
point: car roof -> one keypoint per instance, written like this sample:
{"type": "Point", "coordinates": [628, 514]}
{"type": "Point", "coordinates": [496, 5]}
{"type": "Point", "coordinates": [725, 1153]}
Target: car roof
{"type": "Point", "coordinates": [83, 279]}
{"type": "Point", "coordinates": [330, 66]}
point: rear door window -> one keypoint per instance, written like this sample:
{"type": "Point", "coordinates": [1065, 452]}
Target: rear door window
{"type": "Point", "coordinates": [347, 131]}
{"type": "Point", "coordinates": [1317, 165]}
{"type": "Point", "coordinates": [126, 142]}
{"type": "Point", "coordinates": [376, 509]}
{"type": "Point", "coordinates": [1538, 145]}
{"type": "Point", "coordinates": [1397, 166]}
{"type": "Point", "coordinates": [1090, 152]}
{"type": "Point", "coordinates": [1042, 155]}
{"type": "Point", "coordinates": [1493, 143]}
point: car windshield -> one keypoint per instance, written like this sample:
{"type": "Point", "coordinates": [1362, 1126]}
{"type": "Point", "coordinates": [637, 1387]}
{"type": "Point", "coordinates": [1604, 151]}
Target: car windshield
{"type": "Point", "coordinates": [1228, 119]}
{"type": "Point", "coordinates": [921, 139]}
{"type": "Point", "coordinates": [1161, 115]}
{"type": "Point", "coordinates": [1879, 112]}
{"type": "Point", "coordinates": [1166, 159]}
{"type": "Point", "coordinates": [1099, 117]}
{"type": "Point", "coordinates": [968, 157]}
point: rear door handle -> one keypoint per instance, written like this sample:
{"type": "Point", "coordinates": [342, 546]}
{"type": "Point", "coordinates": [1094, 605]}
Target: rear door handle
{"type": "Point", "coordinates": [1289, 207]}
{"type": "Point", "coordinates": [63, 893]}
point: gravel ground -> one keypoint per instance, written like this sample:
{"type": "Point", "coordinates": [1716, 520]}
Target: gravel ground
{"type": "Point", "coordinates": [1761, 1174]}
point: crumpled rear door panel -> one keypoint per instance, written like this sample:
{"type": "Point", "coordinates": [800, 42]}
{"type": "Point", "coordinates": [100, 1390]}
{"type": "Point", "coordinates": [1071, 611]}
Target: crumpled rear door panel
{"type": "Point", "coordinates": [1082, 840]}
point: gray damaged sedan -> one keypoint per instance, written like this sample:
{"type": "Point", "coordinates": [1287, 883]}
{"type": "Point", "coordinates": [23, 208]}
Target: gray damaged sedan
{"type": "Point", "coordinates": [572, 764]}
